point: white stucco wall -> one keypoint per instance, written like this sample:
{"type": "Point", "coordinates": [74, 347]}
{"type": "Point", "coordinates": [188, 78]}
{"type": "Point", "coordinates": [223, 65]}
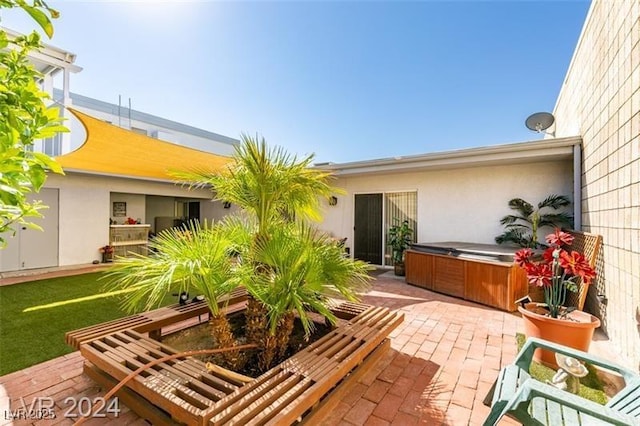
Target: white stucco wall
{"type": "Point", "coordinates": [84, 218]}
{"type": "Point", "coordinates": [463, 204]}
{"type": "Point", "coordinates": [215, 211]}
{"type": "Point", "coordinates": [136, 207]}
{"type": "Point", "coordinates": [157, 206]}
{"type": "Point", "coordinates": [85, 208]}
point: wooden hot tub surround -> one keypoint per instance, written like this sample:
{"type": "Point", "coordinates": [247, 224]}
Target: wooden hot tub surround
{"type": "Point", "coordinates": [491, 279]}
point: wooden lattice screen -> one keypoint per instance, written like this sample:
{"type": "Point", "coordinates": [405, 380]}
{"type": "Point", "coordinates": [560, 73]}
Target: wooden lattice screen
{"type": "Point", "coordinates": [589, 245]}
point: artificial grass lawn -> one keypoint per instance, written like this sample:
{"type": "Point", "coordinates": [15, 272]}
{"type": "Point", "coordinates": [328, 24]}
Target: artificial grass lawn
{"type": "Point", "coordinates": [590, 386]}
{"type": "Point", "coordinates": [35, 316]}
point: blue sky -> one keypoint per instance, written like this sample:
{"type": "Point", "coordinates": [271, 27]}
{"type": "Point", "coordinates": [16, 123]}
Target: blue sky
{"type": "Point", "coordinates": [347, 81]}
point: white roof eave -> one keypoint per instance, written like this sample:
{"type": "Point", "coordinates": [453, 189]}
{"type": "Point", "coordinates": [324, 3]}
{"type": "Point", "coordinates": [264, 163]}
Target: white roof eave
{"type": "Point", "coordinates": [44, 58]}
{"type": "Point", "coordinates": [516, 153]}
{"type": "Point", "coordinates": [118, 176]}
{"type": "Point", "coordinates": [49, 54]}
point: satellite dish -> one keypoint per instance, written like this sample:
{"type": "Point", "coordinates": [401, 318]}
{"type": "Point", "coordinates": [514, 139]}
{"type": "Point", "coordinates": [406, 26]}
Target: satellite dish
{"type": "Point", "coordinates": [540, 121]}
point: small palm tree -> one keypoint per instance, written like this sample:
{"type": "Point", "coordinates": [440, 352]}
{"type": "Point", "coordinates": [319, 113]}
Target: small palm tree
{"type": "Point", "coordinates": [287, 267]}
{"type": "Point", "coordinates": [274, 188]}
{"type": "Point", "coordinates": [305, 269]}
{"type": "Point", "coordinates": [195, 259]}
{"type": "Point", "coordinates": [268, 183]}
{"type": "Point", "coordinates": [522, 228]}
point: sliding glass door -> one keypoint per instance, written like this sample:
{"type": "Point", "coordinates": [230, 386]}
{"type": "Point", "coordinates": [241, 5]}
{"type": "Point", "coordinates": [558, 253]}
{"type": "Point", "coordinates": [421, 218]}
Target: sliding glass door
{"type": "Point", "coordinates": [374, 214]}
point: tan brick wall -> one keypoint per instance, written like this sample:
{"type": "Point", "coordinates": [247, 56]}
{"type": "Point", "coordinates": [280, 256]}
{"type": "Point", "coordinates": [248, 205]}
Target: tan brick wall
{"type": "Point", "coordinates": [600, 100]}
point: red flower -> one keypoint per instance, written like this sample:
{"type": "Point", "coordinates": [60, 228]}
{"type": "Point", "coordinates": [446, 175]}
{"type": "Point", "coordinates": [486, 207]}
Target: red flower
{"type": "Point", "coordinates": [576, 264]}
{"type": "Point", "coordinates": [587, 274]}
{"type": "Point", "coordinates": [559, 238]}
{"type": "Point", "coordinates": [558, 270]}
{"type": "Point", "coordinates": [548, 254]}
{"type": "Point", "coordinates": [522, 257]}
{"type": "Point", "coordinates": [539, 275]}
{"type": "Point", "coordinates": [570, 262]}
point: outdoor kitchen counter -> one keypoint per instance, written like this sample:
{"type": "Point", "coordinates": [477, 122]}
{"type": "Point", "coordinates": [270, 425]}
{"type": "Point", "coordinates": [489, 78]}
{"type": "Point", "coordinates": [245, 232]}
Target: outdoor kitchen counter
{"type": "Point", "coordinates": [481, 273]}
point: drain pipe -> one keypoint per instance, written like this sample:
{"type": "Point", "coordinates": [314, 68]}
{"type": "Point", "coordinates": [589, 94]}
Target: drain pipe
{"type": "Point", "coordinates": [577, 186]}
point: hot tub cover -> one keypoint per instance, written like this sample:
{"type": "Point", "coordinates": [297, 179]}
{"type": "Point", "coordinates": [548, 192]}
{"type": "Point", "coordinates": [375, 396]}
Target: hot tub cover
{"type": "Point", "coordinates": [471, 250]}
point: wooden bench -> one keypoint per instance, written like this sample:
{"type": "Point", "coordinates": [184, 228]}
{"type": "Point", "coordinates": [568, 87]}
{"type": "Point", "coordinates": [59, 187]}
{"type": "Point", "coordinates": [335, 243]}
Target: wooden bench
{"type": "Point", "coordinates": [182, 390]}
{"type": "Point", "coordinates": [151, 322]}
{"type": "Point", "coordinates": [347, 310]}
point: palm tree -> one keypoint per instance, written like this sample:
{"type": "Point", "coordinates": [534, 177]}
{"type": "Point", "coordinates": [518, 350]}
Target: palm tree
{"type": "Point", "coordinates": [267, 183]}
{"type": "Point", "coordinates": [275, 189]}
{"type": "Point", "coordinates": [522, 228]}
{"type": "Point", "coordinates": [287, 267]}
{"type": "Point", "coordinates": [194, 259]}
{"type": "Point", "coordinates": [305, 269]}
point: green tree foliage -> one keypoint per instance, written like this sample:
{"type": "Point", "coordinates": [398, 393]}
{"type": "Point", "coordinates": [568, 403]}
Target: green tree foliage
{"type": "Point", "coordinates": [25, 117]}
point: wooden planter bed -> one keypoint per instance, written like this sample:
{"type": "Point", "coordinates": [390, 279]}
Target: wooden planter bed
{"type": "Point", "coordinates": [182, 391]}
{"type": "Point", "coordinates": [153, 321]}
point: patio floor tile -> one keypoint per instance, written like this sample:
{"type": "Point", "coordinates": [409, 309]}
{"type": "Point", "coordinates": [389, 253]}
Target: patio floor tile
{"type": "Point", "coordinates": [442, 361]}
{"type": "Point", "coordinates": [402, 419]}
{"type": "Point", "coordinates": [388, 407]}
{"type": "Point", "coordinates": [376, 421]}
{"type": "Point", "coordinates": [377, 391]}
{"type": "Point", "coordinates": [360, 412]}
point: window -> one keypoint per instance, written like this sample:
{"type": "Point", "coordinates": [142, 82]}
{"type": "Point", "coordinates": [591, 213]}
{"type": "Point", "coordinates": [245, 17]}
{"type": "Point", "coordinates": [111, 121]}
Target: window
{"type": "Point", "coordinates": [52, 146]}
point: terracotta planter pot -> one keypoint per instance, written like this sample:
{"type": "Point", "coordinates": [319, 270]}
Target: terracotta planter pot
{"type": "Point", "coordinates": [575, 332]}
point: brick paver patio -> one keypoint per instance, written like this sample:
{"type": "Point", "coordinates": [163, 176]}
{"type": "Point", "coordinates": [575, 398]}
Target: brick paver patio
{"type": "Point", "coordinates": [442, 361]}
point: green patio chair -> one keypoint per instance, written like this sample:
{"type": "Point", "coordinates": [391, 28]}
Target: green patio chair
{"type": "Point", "coordinates": [532, 402]}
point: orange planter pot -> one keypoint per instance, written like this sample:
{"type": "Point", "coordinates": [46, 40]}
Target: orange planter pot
{"type": "Point", "coordinates": [575, 332]}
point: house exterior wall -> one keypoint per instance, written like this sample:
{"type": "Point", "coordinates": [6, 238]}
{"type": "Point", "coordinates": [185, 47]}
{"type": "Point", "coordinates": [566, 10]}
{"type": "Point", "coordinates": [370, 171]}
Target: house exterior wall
{"type": "Point", "coordinates": [215, 211]}
{"type": "Point", "coordinates": [136, 207]}
{"type": "Point", "coordinates": [85, 207]}
{"type": "Point", "coordinates": [31, 248]}
{"type": "Point", "coordinates": [600, 100]}
{"type": "Point", "coordinates": [463, 204]}
{"type": "Point", "coordinates": [158, 207]}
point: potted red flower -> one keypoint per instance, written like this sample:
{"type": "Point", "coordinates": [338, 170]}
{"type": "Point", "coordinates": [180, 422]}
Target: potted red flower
{"type": "Point", "coordinates": [556, 274]}
{"type": "Point", "coordinates": [107, 253]}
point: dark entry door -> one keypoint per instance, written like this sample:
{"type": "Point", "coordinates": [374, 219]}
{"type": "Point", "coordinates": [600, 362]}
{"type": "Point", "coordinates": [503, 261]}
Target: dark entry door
{"type": "Point", "coordinates": [193, 211]}
{"type": "Point", "coordinates": [367, 230]}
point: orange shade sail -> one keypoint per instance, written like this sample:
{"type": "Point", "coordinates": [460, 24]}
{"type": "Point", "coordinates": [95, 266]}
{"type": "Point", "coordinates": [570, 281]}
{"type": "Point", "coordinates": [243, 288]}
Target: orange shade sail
{"type": "Point", "coordinates": [111, 150]}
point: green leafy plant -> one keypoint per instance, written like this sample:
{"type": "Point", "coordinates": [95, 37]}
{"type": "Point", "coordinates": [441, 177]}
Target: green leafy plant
{"type": "Point", "coordinates": [400, 237]}
{"type": "Point", "coordinates": [24, 117]}
{"type": "Point", "coordinates": [194, 259]}
{"type": "Point", "coordinates": [522, 228]}
{"type": "Point", "coordinates": [271, 248]}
